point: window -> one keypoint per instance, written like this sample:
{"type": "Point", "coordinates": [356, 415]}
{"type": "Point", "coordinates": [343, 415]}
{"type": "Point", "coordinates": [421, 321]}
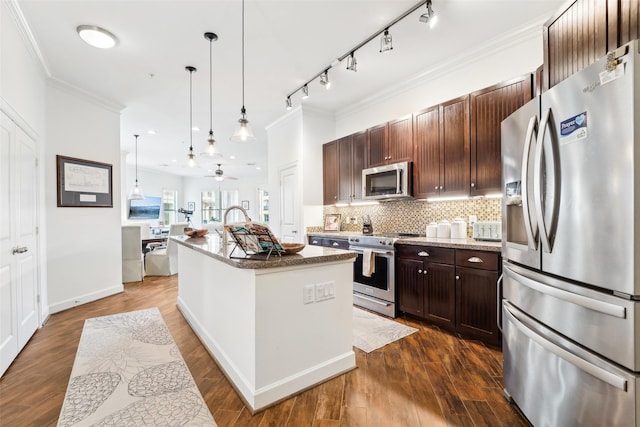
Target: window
{"type": "Point", "coordinates": [263, 206]}
{"type": "Point", "coordinates": [169, 204]}
{"type": "Point", "coordinates": [214, 203]}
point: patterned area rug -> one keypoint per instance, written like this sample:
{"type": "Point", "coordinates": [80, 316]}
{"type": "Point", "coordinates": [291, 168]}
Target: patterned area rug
{"type": "Point", "coordinates": [129, 372]}
{"type": "Point", "coordinates": [371, 332]}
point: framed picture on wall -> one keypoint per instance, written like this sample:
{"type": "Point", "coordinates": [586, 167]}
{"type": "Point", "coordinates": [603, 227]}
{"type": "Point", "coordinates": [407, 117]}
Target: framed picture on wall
{"type": "Point", "coordinates": [332, 222]}
{"type": "Point", "coordinates": [84, 183]}
{"type": "Point", "coordinates": [245, 204]}
{"type": "Point", "coordinates": [191, 206]}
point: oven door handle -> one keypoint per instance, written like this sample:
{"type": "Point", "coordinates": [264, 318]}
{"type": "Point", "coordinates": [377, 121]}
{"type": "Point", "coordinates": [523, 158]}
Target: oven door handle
{"type": "Point", "coordinates": [386, 304]}
{"type": "Point", "coordinates": [360, 250]}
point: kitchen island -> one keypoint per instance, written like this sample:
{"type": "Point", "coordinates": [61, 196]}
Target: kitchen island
{"type": "Point", "coordinates": [275, 327]}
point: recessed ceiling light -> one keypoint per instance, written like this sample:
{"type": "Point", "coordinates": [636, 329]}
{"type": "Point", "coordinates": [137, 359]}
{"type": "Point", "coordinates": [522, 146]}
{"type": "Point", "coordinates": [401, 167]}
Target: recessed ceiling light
{"type": "Point", "coordinates": [151, 132]}
{"type": "Point", "coordinates": [173, 160]}
{"type": "Point", "coordinates": [96, 36]}
{"type": "Point", "coordinates": [232, 157]}
{"type": "Point", "coordinates": [195, 129]}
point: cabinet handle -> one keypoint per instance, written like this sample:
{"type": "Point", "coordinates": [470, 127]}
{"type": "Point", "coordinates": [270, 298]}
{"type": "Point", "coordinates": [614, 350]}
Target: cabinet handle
{"type": "Point", "coordinates": [424, 272]}
{"type": "Point", "coordinates": [335, 244]}
{"type": "Point", "coordinates": [473, 185]}
{"type": "Point", "coordinates": [423, 253]}
{"type": "Point", "coordinates": [419, 271]}
{"type": "Point", "coordinates": [441, 187]}
{"type": "Point", "coordinates": [314, 242]}
{"type": "Point", "coordinates": [436, 187]}
{"type": "Point", "coordinates": [335, 197]}
{"type": "Point", "coordinates": [457, 277]}
{"type": "Point", "coordinates": [475, 259]}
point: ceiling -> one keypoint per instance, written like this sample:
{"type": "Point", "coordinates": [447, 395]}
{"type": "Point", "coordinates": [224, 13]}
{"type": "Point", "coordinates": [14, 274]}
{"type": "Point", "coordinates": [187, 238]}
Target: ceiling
{"type": "Point", "coordinates": [286, 44]}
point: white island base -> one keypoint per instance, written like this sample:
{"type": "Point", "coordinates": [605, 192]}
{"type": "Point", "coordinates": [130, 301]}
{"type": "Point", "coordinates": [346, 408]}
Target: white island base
{"type": "Point", "coordinates": [256, 323]}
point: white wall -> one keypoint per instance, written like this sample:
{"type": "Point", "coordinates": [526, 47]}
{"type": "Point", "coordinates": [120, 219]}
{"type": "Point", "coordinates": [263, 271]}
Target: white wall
{"type": "Point", "coordinates": [500, 60]}
{"type": "Point", "coordinates": [83, 244]}
{"type": "Point", "coordinates": [285, 138]}
{"type": "Point", "coordinates": [22, 95]}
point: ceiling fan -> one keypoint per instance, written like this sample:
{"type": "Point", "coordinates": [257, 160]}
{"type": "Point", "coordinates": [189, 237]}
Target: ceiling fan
{"type": "Point", "coordinates": [219, 175]}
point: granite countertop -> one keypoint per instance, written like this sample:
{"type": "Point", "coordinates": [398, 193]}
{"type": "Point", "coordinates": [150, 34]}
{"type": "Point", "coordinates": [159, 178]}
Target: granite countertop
{"type": "Point", "coordinates": [212, 246]}
{"type": "Point", "coordinates": [480, 245]}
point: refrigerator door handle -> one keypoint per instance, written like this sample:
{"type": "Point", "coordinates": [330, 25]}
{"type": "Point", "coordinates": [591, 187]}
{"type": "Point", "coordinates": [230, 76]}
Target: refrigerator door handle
{"type": "Point", "coordinates": [596, 371]}
{"type": "Point", "coordinates": [499, 302]}
{"type": "Point", "coordinates": [588, 303]}
{"type": "Point", "coordinates": [547, 231]}
{"type": "Point", "coordinates": [530, 227]}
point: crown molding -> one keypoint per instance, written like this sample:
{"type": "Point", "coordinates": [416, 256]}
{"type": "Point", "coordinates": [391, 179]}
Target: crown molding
{"type": "Point", "coordinates": [491, 47]}
{"type": "Point", "coordinates": [26, 34]}
{"type": "Point", "coordinates": [288, 115]}
{"type": "Point", "coordinates": [110, 105]}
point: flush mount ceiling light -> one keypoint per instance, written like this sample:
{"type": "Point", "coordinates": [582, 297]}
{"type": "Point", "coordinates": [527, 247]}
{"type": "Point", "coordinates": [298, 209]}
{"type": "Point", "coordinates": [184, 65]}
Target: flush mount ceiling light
{"type": "Point", "coordinates": [429, 17]}
{"type": "Point", "coordinates": [243, 131]}
{"type": "Point", "coordinates": [136, 192]}
{"type": "Point", "coordinates": [324, 79]}
{"type": "Point", "coordinates": [305, 92]}
{"type": "Point", "coordinates": [211, 141]}
{"type": "Point", "coordinates": [352, 63]}
{"type": "Point", "coordinates": [96, 36]}
{"type": "Point", "coordinates": [191, 158]}
{"type": "Point", "coordinates": [386, 42]}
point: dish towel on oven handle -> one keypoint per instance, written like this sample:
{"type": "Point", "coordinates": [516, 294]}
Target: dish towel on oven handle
{"type": "Point", "coordinates": [368, 262]}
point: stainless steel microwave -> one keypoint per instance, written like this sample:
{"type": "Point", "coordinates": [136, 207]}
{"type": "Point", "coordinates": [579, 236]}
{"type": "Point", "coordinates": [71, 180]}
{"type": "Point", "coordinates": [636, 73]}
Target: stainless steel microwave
{"type": "Point", "coordinates": [387, 182]}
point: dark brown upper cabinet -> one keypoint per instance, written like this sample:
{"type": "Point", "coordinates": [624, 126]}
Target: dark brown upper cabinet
{"type": "Point", "coordinates": [454, 147]}
{"type": "Point", "coordinates": [426, 152]}
{"type": "Point", "coordinates": [584, 31]}
{"type": "Point", "coordinates": [489, 107]}
{"type": "Point", "coordinates": [351, 155]}
{"type": "Point", "coordinates": [330, 166]}
{"type": "Point", "coordinates": [391, 142]}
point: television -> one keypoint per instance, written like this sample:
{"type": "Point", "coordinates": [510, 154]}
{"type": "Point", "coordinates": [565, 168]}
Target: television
{"type": "Point", "coordinates": [147, 208]}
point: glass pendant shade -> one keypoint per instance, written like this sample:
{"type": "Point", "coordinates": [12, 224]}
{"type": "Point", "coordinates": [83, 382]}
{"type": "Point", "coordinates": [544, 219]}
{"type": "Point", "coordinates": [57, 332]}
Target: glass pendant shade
{"type": "Point", "coordinates": [243, 131]}
{"type": "Point", "coordinates": [211, 148]}
{"type": "Point", "coordinates": [136, 193]}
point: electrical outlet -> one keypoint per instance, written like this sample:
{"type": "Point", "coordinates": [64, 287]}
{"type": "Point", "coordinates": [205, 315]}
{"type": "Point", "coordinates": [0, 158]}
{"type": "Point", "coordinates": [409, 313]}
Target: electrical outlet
{"type": "Point", "coordinates": [473, 219]}
{"type": "Point", "coordinates": [308, 294]}
{"type": "Point", "coordinates": [355, 220]}
{"type": "Point", "coordinates": [347, 220]}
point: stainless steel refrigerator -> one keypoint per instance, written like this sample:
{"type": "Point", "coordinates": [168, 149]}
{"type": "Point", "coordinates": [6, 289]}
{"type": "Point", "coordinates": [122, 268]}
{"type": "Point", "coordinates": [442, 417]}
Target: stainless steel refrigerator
{"type": "Point", "coordinates": [571, 248]}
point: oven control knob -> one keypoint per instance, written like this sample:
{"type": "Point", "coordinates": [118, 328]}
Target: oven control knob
{"type": "Point", "coordinates": [381, 242]}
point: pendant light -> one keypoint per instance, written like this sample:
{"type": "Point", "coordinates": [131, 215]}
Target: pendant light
{"type": "Point", "coordinates": [136, 192]}
{"type": "Point", "coordinates": [211, 148]}
{"type": "Point", "coordinates": [191, 158]}
{"type": "Point", "coordinates": [243, 131]}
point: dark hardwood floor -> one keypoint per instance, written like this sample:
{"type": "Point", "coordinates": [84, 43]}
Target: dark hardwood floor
{"type": "Point", "coordinates": [430, 378]}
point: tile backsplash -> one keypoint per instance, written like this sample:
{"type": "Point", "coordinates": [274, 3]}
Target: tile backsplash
{"type": "Point", "coordinates": [412, 216]}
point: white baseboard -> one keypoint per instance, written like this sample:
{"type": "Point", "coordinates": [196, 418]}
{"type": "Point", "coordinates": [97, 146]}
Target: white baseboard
{"type": "Point", "coordinates": [83, 299]}
{"type": "Point", "coordinates": [277, 391]}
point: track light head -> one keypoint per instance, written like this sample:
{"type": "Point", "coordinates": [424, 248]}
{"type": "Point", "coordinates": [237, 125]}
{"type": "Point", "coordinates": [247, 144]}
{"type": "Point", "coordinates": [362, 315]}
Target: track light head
{"type": "Point", "coordinates": [289, 106]}
{"type": "Point", "coordinates": [352, 63]}
{"type": "Point", "coordinates": [305, 92]}
{"type": "Point", "coordinates": [429, 17]}
{"type": "Point", "coordinates": [324, 79]}
{"type": "Point", "coordinates": [386, 42]}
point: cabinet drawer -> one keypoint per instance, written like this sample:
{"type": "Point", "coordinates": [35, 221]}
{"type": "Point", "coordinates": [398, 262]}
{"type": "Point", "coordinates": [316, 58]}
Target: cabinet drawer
{"type": "Point", "coordinates": [336, 243]}
{"type": "Point", "coordinates": [477, 259]}
{"type": "Point", "coordinates": [317, 241]}
{"type": "Point", "coordinates": [426, 253]}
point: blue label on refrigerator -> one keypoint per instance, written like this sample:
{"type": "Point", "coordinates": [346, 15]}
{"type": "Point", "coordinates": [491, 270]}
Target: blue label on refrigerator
{"type": "Point", "coordinates": [573, 128]}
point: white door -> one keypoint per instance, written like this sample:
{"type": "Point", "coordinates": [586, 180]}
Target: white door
{"type": "Point", "coordinates": [289, 218]}
{"type": "Point", "coordinates": [18, 241]}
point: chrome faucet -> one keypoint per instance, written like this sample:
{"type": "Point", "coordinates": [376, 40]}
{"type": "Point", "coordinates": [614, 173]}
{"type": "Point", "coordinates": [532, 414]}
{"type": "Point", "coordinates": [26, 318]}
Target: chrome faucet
{"type": "Point", "coordinates": [225, 238]}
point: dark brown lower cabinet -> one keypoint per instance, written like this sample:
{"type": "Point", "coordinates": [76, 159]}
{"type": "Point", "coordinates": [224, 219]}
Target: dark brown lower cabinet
{"type": "Point", "coordinates": [476, 303]}
{"type": "Point", "coordinates": [458, 292]}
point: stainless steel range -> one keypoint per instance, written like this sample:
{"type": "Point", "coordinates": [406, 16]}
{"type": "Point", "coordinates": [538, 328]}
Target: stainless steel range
{"type": "Point", "coordinates": [377, 291]}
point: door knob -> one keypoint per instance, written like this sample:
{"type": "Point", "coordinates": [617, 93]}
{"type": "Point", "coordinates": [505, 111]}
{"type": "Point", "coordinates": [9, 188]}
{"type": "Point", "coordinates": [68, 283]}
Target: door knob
{"type": "Point", "coordinates": [294, 231]}
{"type": "Point", "coordinates": [19, 250]}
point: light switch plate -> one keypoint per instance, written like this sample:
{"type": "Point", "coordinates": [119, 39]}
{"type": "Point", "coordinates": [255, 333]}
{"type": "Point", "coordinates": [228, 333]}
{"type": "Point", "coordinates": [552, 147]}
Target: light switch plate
{"type": "Point", "coordinates": [308, 292]}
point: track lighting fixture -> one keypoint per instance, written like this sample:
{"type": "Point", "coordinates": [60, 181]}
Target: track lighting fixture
{"type": "Point", "coordinates": [351, 62]}
{"type": "Point", "coordinates": [136, 192]}
{"type": "Point", "coordinates": [243, 131]}
{"type": "Point", "coordinates": [211, 141]}
{"type": "Point", "coordinates": [386, 42]}
{"type": "Point", "coordinates": [191, 158]}
{"type": "Point", "coordinates": [305, 92]}
{"type": "Point", "coordinates": [289, 106]}
{"type": "Point", "coordinates": [429, 17]}
{"type": "Point", "coordinates": [324, 79]}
